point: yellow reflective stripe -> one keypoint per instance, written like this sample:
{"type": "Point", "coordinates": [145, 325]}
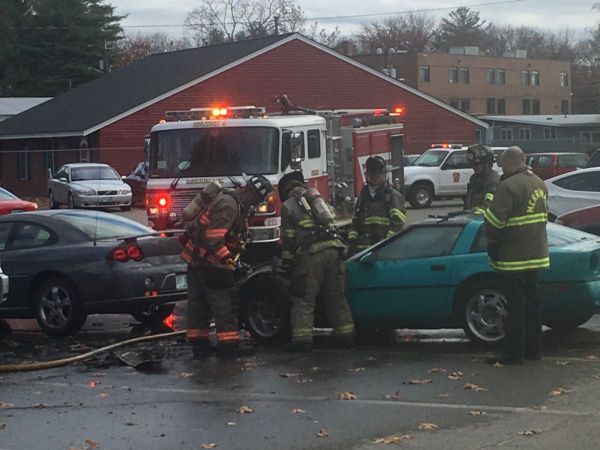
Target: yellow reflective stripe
{"type": "Point", "coordinates": [395, 212]}
{"type": "Point", "coordinates": [353, 235]}
{"type": "Point", "coordinates": [306, 222]}
{"type": "Point", "coordinates": [363, 246]}
{"type": "Point", "coordinates": [479, 211]}
{"type": "Point", "coordinates": [492, 219]}
{"type": "Point", "coordinates": [542, 263]}
{"type": "Point", "coordinates": [302, 333]}
{"type": "Point", "coordinates": [489, 196]}
{"type": "Point", "coordinates": [288, 232]}
{"type": "Point", "coordinates": [527, 219]}
{"type": "Point", "coordinates": [346, 329]}
{"type": "Point", "coordinates": [390, 233]}
{"type": "Point", "coordinates": [286, 254]}
{"type": "Point", "coordinates": [377, 220]}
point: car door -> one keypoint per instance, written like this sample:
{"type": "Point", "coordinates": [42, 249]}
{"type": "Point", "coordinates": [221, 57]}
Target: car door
{"type": "Point", "coordinates": [574, 191]}
{"type": "Point", "coordinates": [405, 281]}
{"type": "Point", "coordinates": [61, 185]}
{"type": "Point", "coordinates": [455, 174]}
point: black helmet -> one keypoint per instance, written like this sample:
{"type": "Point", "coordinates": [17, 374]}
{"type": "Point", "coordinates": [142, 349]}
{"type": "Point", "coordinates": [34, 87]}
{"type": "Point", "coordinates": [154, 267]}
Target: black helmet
{"type": "Point", "coordinates": [288, 182]}
{"type": "Point", "coordinates": [260, 185]}
{"type": "Point", "coordinates": [375, 165]}
{"type": "Point", "coordinates": [479, 153]}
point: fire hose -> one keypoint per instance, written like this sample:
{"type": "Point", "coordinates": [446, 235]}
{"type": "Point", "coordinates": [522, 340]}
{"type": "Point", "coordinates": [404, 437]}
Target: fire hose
{"type": "Point", "coordinates": [25, 367]}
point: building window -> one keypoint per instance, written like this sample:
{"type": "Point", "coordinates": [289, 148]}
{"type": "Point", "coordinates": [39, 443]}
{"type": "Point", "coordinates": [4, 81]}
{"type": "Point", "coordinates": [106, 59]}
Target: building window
{"type": "Point", "coordinates": [489, 76]}
{"type": "Point", "coordinates": [24, 165]}
{"type": "Point", "coordinates": [491, 106]}
{"type": "Point", "coordinates": [465, 105]}
{"type": "Point", "coordinates": [549, 133]}
{"type": "Point", "coordinates": [454, 102]}
{"type": "Point", "coordinates": [535, 78]}
{"type": "Point", "coordinates": [535, 106]}
{"type": "Point", "coordinates": [500, 76]}
{"type": "Point", "coordinates": [525, 77]}
{"type": "Point", "coordinates": [526, 106]}
{"type": "Point", "coordinates": [506, 134]}
{"type": "Point", "coordinates": [464, 75]}
{"type": "Point", "coordinates": [424, 74]}
{"type": "Point", "coordinates": [564, 107]}
{"type": "Point", "coordinates": [501, 106]}
{"type": "Point", "coordinates": [524, 134]}
{"type": "Point", "coordinates": [590, 137]}
{"type": "Point", "coordinates": [453, 74]}
{"type": "Point", "coordinates": [314, 143]}
{"type": "Point", "coordinates": [564, 79]}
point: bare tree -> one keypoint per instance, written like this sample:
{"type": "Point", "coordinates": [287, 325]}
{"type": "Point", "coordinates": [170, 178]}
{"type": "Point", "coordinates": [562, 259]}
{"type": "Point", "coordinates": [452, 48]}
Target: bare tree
{"type": "Point", "coordinates": [412, 32]}
{"type": "Point", "coordinates": [323, 36]}
{"type": "Point", "coordinates": [131, 49]}
{"type": "Point", "coordinates": [217, 21]}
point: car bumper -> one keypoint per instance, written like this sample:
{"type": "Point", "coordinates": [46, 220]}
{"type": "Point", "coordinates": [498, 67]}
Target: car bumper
{"type": "Point", "coordinates": [100, 201]}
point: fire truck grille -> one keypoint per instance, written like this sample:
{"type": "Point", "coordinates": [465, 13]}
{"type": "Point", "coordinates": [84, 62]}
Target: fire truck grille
{"type": "Point", "coordinates": [180, 199]}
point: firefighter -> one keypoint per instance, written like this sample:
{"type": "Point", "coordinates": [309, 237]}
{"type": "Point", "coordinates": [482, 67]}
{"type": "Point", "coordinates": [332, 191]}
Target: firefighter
{"type": "Point", "coordinates": [482, 184]}
{"type": "Point", "coordinates": [313, 252]}
{"type": "Point", "coordinates": [211, 253]}
{"type": "Point", "coordinates": [515, 228]}
{"type": "Point", "coordinates": [379, 211]}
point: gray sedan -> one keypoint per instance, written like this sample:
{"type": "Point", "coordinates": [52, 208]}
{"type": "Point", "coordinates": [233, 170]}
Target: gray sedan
{"type": "Point", "coordinates": [86, 185]}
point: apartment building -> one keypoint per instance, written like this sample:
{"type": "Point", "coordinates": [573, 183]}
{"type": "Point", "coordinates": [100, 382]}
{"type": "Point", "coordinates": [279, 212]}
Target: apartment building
{"type": "Point", "coordinates": [479, 84]}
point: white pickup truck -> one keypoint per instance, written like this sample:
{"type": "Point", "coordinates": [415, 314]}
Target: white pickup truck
{"type": "Point", "coordinates": [439, 172]}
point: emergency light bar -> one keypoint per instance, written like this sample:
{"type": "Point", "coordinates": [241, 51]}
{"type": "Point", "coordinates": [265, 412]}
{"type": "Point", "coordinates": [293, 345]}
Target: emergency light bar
{"type": "Point", "coordinates": [235, 112]}
{"type": "Point", "coordinates": [445, 145]}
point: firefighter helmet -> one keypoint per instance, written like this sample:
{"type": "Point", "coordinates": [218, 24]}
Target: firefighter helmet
{"type": "Point", "coordinates": [375, 165]}
{"type": "Point", "coordinates": [479, 153]}
{"type": "Point", "coordinates": [260, 185]}
{"type": "Point", "coordinates": [288, 182]}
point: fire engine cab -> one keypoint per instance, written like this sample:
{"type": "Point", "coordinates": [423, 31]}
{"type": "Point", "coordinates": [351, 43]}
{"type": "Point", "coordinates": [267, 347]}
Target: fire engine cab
{"type": "Point", "coordinates": [192, 148]}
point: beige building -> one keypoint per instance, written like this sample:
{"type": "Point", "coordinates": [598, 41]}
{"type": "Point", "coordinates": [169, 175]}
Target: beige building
{"type": "Point", "coordinates": [476, 84]}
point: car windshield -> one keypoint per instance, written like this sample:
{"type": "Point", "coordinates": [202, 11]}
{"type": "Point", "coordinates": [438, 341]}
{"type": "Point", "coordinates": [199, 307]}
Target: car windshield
{"type": "Point", "coordinates": [575, 160]}
{"type": "Point", "coordinates": [223, 151]}
{"type": "Point", "coordinates": [5, 195]}
{"type": "Point", "coordinates": [103, 225]}
{"type": "Point", "coordinates": [94, 173]}
{"type": "Point", "coordinates": [431, 158]}
{"type": "Point", "coordinates": [420, 242]}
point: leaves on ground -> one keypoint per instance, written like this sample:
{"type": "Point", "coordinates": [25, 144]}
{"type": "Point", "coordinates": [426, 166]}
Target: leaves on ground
{"type": "Point", "coordinates": [395, 396]}
{"type": "Point", "coordinates": [103, 395]}
{"type": "Point", "coordinates": [590, 358]}
{"type": "Point", "coordinates": [346, 395]}
{"type": "Point", "coordinates": [529, 432]}
{"type": "Point", "coordinates": [244, 410]}
{"type": "Point", "coordinates": [426, 426]}
{"type": "Point", "coordinates": [474, 387]}
{"type": "Point", "coordinates": [186, 375]}
{"type": "Point", "coordinates": [2, 425]}
{"type": "Point", "coordinates": [425, 381]}
{"type": "Point", "coordinates": [457, 375]}
{"type": "Point", "coordinates": [39, 405]}
{"type": "Point", "coordinates": [563, 363]}
{"type": "Point", "coordinates": [323, 433]}
{"type": "Point", "coordinates": [443, 395]}
{"type": "Point", "coordinates": [498, 364]}
{"type": "Point", "coordinates": [392, 439]}
{"type": "Point", "coordinates": [290, 375]}
{"type": "Point", "coordinates": [91, 444]}
{"type": "Point", "coordinates": [477, 413]}
{"type": "Point", "coordinates": [208, 445]}
{"type": "Point", "coordinates": [436, 370]}
{"type": "Point", "coordinates": [558, 392]}
{"type": "Point", "coordinates": [37, 392]}
{"type": "Point", "coordinates": [231, 424]}
{"type": "Point", "coordinates": [357, 369]}
{"type": "Point", "coordinates": [6, 405]}
{"type": "Point", "coordinates": [540, 408]}
{"type": "Point", "coordinates": [298, 411]}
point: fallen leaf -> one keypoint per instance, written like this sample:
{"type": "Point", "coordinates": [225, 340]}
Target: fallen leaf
{"type": "Point", "coordinates": [455, 375]}
{"type": "Point", "coordinates": [477, 413]}
{"type": "Point", "coordinates": [590, 358]}
{"type": "Point", "coordinates": [541, 408]}
{"type": "Point", "coordinates": [392, 439]}
{"type": "Point", "coordinates": [2, 425]}
{"type": "Point", "coordinates": [290, 375]}
{"type": "Point", "coordinates": [208, 445]}
{"type": "Point", "coordinates": [249, 366]}
{"type": "Point", "coordinates": [474, 387]}
{"type": "Point", "coordinates": [436, 370]}
{"type": "Point", "coordinates": [529, 432]}
{"type": "Point", "coordinates": [39, 405]}
{"type": "Point", "coordinates": [395, 396]}
{"type": "Point", "coordinates": [563, 363]}
{"type": "Point", "coordinates": [37, 392]}
{"type": "Point", "coordinates": [103, 395]}
{"type": "Point", "coordinates": [99, 374]}
{"type": "Point", "coordinates": [323, 433]}
{"type": "Point", "coordinates": [303, 380]}
{"type": "Point", "coordinates": [298, 411]}
{"type": "Point", "coordinates": [357, 369]}
{"type": "Point", "coordinates": [90, 444]}
{"type": "Point", "coordinates": [347, 395]}
{"type": "Point", "coordinates": [186, 375]}
{"type": "Point", "coordinates": [498, 364]}
{"type": "Point", "coordinates": [315, 368]}
{"type": "Point", "coordinates": [6, 405]}
{"type": "Point", "coordinates": [231, 424]}
{"type": "Point", "coordinates": [244, 410]}
{"type": "Point", "coordinates": [371, 358]}
{"type": "Point", "coordinates": [443, 395]}
{"type": "Point", "coordinates": [425, 426]}
{"type": "Point", "coordinates": [558, 392]}
{"type": "Point", "coordinates": [425, 381]}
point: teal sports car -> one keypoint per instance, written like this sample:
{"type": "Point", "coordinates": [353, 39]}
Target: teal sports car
{"type": "Point", "coordinates": [435, 274]}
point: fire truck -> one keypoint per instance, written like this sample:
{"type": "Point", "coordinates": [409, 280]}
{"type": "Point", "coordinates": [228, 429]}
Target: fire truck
{"type": "Point", "coordinates": [192, 148]}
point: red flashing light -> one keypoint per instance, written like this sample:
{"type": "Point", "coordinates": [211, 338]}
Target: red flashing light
{"type": "Point", "coordinates": [223, 112]}
{"type": "Point", "coordinates": [163, 201]}
{"type": "Point", "coordinates": [399, 110]}
{"type": "Point", "coordinates": [219, 112]}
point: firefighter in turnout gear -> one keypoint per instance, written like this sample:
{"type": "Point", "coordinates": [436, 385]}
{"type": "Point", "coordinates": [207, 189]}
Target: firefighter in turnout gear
{"type": "Point", "coordinates": [379, 211]}
{"type": "Point", "coordinates": [212, 252]}
{"type": "Point", "coordinates": [482, 184]}
{"type": "Point", "coordinates": [515, 228]}
{"type": "Point", "coordinates": [313, 251]}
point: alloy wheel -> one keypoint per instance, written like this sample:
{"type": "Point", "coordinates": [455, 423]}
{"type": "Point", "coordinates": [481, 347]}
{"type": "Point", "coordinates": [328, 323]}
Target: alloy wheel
{"type": "Point", "coordinates": [485, 315]}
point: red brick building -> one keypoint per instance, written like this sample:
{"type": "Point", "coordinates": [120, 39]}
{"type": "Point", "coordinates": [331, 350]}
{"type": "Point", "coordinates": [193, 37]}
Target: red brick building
{"type": "Point", "coordinates": [106, 120]}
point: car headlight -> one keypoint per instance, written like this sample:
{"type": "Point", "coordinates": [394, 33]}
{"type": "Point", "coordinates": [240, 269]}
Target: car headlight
{"type": "Point", "coordinates": [84, 191]}
{"type": "Point", "coordinates": [124, 191]}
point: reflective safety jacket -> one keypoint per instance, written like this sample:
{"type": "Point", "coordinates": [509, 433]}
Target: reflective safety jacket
{"type": "Point", "coordinates": [480, 191]}
{"type": "Point", "coordinates": [218, 234]}
{"type": "Point", "coordinates": [515, 223]}
{"type": "Point", "coordinates": [299, 231]}
{"type": "Point", "coordinates": [376, 218]}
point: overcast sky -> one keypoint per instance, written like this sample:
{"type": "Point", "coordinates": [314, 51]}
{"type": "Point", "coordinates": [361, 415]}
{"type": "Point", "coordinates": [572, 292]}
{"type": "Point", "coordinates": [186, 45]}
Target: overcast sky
{"type": "Point", "coordinates": [547, 14]}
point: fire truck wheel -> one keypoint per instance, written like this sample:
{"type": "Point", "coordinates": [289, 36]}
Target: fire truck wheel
{"type": "Point", "coordinates": [421, 195]}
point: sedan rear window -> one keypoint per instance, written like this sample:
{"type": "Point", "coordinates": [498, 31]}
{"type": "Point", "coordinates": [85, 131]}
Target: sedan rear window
{"type": "Point", "coordinates": [420, 242]}
{"type": "Point", "coordinates": [577, 160]}
{"type": "Point", "coordinates": [103, 225]}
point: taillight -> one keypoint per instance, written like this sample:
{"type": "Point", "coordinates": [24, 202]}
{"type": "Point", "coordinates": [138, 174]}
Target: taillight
{"type": "Point", "coordinates": [268, 205]}
{"type": "Point", "coordinates": [123, 254]}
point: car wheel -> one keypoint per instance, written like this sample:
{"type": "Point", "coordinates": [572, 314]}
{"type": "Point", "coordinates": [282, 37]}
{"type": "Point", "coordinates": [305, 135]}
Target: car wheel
{"type": "Point", "coordinates": [71, 201]}
{"type": "Point", "coordinates": [484, 312]}
{"type": "Point", "coordinates": [153, 314]}
{"type": "Point", "coordinates": [266, 314]}
{"type": "Point", "coordinates": [58, 308]}
{"type": "Point", "coordinates": [421, 196]}
{"type": "Point", "coordinates": [52, 203]}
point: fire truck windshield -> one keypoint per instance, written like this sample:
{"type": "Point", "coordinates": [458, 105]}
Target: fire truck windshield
{"type": "Point", "coordinates": [211, 152]}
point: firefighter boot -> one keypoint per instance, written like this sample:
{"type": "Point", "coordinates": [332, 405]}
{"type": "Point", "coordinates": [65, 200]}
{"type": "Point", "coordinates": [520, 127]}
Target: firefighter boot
{"type": "Point", "coordinates": [202, 349]}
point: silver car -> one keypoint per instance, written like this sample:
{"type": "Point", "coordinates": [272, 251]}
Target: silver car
{"type": "Point", "coordinates": [87, 185]}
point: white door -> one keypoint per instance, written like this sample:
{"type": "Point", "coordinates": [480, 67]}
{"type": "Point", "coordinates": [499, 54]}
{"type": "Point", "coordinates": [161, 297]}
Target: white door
{"type": "Point", "coordinates": [455, 174]}
{"type": "Point", "coordinates": [573, 191]}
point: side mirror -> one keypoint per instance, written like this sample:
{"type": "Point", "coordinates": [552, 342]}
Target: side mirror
{"type": "Point", "coordinates": [368, 259]}
{"type": "Point", "coordinates": [63, 179]}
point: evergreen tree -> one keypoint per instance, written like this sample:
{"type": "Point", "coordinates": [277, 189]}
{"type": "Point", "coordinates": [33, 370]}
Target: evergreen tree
{"type": "Point", "coordinates": [462, 27]}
